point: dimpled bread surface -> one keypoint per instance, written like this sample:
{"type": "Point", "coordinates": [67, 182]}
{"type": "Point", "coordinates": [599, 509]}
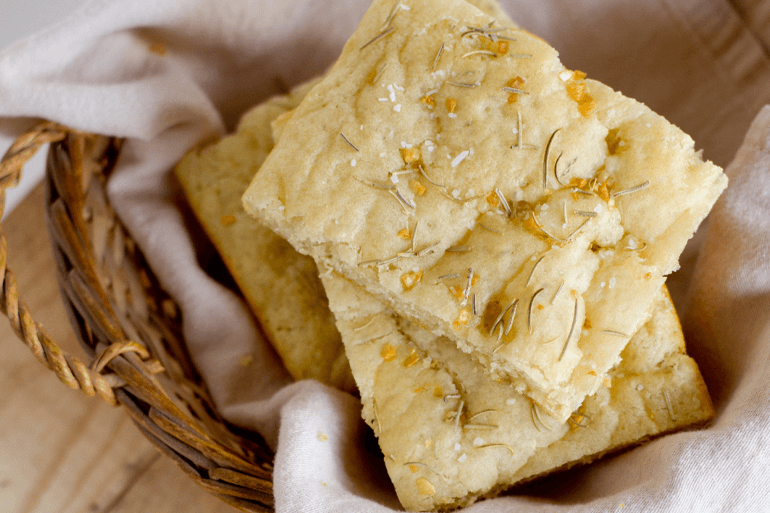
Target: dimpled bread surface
{"type": "Point", "coordinates": [280, 285]}
{"type": "Point", "coordinates": [451, 434]}
{"type": "Point", "coordinates": [461, 174]}
{"type": "Point", "coordinates": [655, 389]}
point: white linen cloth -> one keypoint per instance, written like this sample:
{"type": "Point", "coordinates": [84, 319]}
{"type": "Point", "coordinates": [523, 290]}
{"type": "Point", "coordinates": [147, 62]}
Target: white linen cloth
{"type": "Point", "coordinates": [165, 75]}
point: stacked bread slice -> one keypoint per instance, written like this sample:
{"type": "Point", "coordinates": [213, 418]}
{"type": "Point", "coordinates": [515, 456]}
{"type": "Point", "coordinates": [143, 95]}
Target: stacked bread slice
{"type": "Point", "coordinates": [492, 231]}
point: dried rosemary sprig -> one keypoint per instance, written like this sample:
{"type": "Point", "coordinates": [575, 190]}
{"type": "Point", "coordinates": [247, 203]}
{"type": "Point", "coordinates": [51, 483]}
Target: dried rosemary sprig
{"type": "Point", "coordinates": [571, 330]}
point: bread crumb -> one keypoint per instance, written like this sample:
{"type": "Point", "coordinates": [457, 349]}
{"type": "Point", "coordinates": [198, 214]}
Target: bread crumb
{"type": "Point", "coordinates": [462, 319]}
{"type": "Point", "coordinates": [412, 358]}
{"type": "Point", "coordinates": [322, 437]}
{"type": "Point", "coordinates": [424, 487]}
{"type": "Point", "coordinates": [388, 353]}
{"type": "Point", "coordinates": [411, 278]}
{"type": "Point", "coordinates": [418, 188]}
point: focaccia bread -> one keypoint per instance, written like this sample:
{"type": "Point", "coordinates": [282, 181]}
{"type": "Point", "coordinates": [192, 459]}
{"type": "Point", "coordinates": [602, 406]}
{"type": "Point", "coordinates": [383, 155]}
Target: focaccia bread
{"type": "Point", "coordinates": [280, 285]}
{"type": "Point", "coordinates": [457, 171]}
{"type": "Point", "coordinates": [655, 389]}
{"type": "Point", "coordinates": [451, 434]}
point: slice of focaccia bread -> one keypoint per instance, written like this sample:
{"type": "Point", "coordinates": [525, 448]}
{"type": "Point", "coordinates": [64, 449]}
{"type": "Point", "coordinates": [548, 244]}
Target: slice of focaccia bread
{"type": "Point", "coordinates": [451, 434]}
{"type": "Point", "coordinates": [457, 171]}
{"type": "Point", "coordinates": [655, 389]}
{"type": "Point", "coordinates": [280, 285]}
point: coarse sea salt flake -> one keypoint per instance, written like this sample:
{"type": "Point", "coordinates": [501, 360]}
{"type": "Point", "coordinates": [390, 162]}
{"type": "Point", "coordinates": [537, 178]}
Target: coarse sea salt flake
{"type": "Point", "coordinates": [458, 447]}
{"type": "Point", "coordinates": [612, 282]}
{"type": "Point", "coordinates": [452, 115]}
{"type": "Point", "coordinates": [565, 75]}
{"type": "Point", "coordinates": [382, 154]}
{"type": "Point", "coordinates": [462, 458]}
{"type": "Point", "coordinates": [478, 441]}
{"type": "Point", "coordinates": [353, 162]}
{"type": "Point", "coordinates": [460, 158]}
{"type": "Point", "coordinates": [510, 402]}
{"type": "Point", "coordinates": [397, 108]}
{"type": "Point", "coordinates": [394, 178]}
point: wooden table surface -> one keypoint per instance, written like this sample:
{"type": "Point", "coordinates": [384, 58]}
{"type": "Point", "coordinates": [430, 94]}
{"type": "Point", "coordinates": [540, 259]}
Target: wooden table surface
{"type": "Point", "coordinates": [61, 451]}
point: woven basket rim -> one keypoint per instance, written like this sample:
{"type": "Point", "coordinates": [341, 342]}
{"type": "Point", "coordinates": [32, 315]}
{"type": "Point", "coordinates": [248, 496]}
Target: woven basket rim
{"type": "Point", "coordinates": [129, 327]}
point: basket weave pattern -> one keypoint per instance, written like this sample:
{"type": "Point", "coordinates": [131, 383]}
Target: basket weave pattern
{"type": "Point", "coordinates": [128, 326]}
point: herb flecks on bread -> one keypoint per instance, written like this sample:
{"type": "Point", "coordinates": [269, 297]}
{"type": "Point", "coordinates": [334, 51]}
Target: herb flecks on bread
{"type": "Point", "coordinates": [597, 188]}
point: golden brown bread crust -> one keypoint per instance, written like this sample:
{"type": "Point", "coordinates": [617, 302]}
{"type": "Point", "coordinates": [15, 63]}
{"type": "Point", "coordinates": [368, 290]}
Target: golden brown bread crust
{"type": "Point", "coordinates": [280, 285]}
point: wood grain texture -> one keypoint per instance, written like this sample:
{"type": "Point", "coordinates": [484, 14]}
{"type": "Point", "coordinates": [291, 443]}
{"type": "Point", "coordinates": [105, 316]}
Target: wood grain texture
{"type": "Point", "coordinates": [61, 451]}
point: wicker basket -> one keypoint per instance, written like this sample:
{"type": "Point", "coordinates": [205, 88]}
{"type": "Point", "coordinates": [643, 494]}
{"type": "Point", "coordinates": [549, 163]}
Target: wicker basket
{"type": "Point", "coordinates": [128, 325]}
